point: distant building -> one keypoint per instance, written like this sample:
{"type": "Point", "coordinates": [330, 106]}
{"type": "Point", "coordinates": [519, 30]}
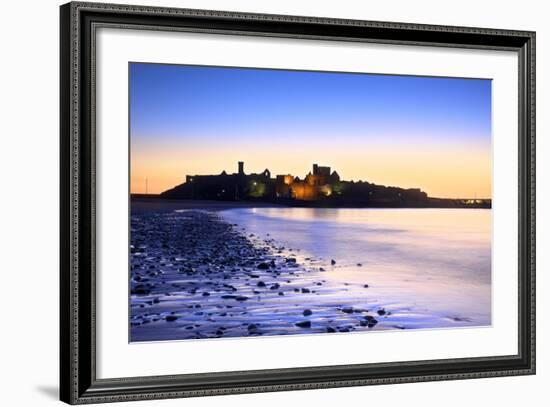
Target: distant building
{"type": "Point", "coordinates": [315, 185]}
{"type": "Point", "coordinates": [319, 184]}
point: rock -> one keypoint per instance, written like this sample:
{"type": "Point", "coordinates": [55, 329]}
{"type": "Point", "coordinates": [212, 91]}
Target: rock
{"type": "Point", "coordinates": [275, 286]}
{"type": "Point", "coordinates": [252, 327]}
{"type": "Point", "coordinates": [333, 262]}
{"type": "Point", "coordinates": [260, 284]}
{"type": "Point", "coordinates": [171, 318]}
{"type": "Point", "coordinates": [228, 297]}
{"type": "Point", "coordinates": [303, 324]}
{"type": "Point", "coordinates": [343, 329]}
{"type": "Point", "coordinates": [305, 290]}
{"type": "Point", "coordinates": [241, 298]}
{"type": "Point", "coordinates": [307, 312]}
{"type": "Point", "coordinates": [262, 266]}
{"type": "Point", "coordinates": [381, 312]}
{"type": "Point", "coordinates": [291, 260]}
{"type": "Point", "coordinates": [205, 294]}
{"type": "Point", "coordinates": [347, 310]}
{"type": "Point", "coordinates": [366, 286]}
{"type": "Point", "coordinates": [370, 321]}
{"type": "Point", "coordinates": [330, 330]}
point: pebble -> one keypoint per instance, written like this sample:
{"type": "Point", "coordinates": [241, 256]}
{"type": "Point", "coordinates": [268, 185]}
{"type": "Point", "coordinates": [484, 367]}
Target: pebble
{"type": "Point", "coordinates": [303, 324]}
{"type": "Point", "coordinates": [210, 258]}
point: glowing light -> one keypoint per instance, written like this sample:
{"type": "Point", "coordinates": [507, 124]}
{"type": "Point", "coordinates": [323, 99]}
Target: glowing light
{"type": "Point", "coordinates": [326, 190]}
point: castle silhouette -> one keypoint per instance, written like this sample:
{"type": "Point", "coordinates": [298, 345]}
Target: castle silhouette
{"type": "Point", "coordinates": [318, 186]}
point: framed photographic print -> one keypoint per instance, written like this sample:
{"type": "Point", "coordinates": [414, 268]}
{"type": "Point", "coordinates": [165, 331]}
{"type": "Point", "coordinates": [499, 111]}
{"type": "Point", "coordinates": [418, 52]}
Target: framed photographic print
{"type": "Point", "coordinates": [256, 203]}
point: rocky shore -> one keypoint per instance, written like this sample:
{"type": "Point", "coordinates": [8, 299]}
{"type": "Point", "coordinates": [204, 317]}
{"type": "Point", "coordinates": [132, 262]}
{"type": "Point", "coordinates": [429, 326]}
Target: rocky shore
{"type": "Point", "coordinates": [194, 276]}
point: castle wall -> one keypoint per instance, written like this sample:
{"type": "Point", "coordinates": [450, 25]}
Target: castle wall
{"type": "Point", "coordinates": [321, 184]}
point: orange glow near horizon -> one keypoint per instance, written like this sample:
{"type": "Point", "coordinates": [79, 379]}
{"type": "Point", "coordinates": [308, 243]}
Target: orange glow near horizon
{"type": "Point", "coordinates": [432, 133]}
{"type": "Point", "coordinates": [445, 171]}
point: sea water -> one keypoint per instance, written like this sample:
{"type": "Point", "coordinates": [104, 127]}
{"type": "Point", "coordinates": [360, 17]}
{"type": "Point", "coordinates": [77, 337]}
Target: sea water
{"type": "Point", "coordinates": [431, 267]}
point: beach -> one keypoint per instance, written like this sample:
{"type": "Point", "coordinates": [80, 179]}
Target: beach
{"type": "Point", "coordinates": [159, 205]}
{"type": "Point", "coordinates": [225, 269]}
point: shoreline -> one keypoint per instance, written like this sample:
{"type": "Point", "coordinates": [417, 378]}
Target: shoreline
{"type": "Point", "coordinates": [209, 279]}
{"type": "Point", "coordinates": [199, 274]}
{"type": "Point", "coordinates": [141, 204]}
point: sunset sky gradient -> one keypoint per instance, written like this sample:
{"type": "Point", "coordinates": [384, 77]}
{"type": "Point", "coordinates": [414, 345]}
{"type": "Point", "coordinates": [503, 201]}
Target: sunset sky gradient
{"type": "Point", "coordinates": [425, 132]}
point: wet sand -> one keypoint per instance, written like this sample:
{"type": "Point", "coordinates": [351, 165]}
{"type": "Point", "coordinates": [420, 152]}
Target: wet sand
{"type": "Point", "coordinates": [142, 205]}
{"type": "Point", "coordinates": [195, 276]}
{"type": "Point", "coordinates": [199, 269]}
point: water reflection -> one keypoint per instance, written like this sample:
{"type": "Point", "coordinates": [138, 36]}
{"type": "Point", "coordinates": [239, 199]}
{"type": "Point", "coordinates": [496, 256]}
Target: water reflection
{"type": "Point", "coordinates": [430, 262]}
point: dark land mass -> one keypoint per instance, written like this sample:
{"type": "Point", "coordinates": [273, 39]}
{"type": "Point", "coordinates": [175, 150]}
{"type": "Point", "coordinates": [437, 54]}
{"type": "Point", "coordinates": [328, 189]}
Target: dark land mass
{"type": "Point", "coordinates": [320, 188]}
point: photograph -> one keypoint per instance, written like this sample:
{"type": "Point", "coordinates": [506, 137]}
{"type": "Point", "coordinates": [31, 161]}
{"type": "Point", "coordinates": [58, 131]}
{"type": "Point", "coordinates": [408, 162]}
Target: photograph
{"type": "Point", "coordinates": [286, 199]}
{"type": "Point", "coordinates": [291, 202]}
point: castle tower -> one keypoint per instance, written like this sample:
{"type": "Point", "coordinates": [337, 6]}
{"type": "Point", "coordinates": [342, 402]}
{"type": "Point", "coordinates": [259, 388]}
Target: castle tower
{"type": "Point", "coordinates": [241, 168]}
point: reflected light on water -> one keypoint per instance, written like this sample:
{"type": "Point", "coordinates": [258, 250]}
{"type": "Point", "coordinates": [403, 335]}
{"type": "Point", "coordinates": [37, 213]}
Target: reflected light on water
{"type": "Point", "coordinates": [429, 261]}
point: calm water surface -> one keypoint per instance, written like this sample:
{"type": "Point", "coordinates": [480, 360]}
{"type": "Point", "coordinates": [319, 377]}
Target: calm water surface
{"type": "Point", "coordinates": [431, 267]}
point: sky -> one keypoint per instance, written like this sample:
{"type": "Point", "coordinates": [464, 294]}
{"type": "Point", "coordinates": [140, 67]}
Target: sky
{"type": "Point", "coordinates": [407, 131]}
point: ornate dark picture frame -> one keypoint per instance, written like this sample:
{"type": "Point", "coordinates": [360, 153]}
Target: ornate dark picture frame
{"type": "Point", "coordinates": [78, 381]}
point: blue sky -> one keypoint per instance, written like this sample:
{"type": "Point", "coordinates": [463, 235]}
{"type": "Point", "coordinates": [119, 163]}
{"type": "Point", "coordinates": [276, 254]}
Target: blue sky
{"type": "Point", "coordinates": [207, 109]}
